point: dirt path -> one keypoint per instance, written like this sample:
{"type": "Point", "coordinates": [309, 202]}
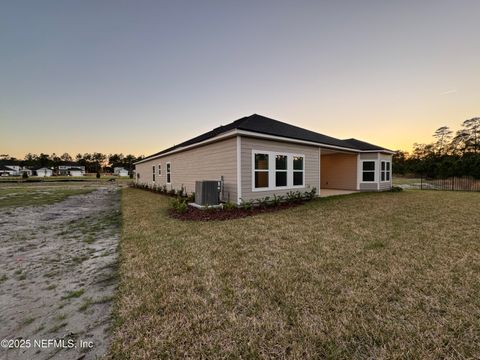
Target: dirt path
{"type": "Point", "coordinates": [58, 274]}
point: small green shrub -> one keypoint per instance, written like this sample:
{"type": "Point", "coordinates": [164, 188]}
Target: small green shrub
{"type": "Point", "coordinates": [98, 175]}
{"type": "Point", "coordinates": [24, 175]}
{"type": "Point", "coordinates": [309, 195]}
{"type": "Point", "coordinates": [246, 205]}
{"type": "Point", "coordinates": [229, 206]}
{"type": "Point", "coordinates": [191, 197]}
{"type": "Point", "coordinates": [396, 189]}
{"type": "Point", "coordinates": [179, 205]}
{"type": "Point", "coordinates": [262, 202]}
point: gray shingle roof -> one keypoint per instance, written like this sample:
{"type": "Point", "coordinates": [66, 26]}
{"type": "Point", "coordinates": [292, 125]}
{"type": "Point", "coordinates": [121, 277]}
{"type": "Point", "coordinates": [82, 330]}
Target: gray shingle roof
{"type": "Point", "coordinates": [264, 125]}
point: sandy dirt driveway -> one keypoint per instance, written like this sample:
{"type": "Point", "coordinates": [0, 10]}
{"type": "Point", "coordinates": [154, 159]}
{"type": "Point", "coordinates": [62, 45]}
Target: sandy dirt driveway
{"type": "Point", "coordinates": [58, 268]}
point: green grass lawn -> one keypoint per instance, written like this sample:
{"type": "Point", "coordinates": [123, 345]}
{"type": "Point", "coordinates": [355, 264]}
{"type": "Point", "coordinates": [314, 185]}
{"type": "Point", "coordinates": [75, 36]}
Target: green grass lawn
{"type": "Point", "coordinates": [373, 275]}
{"type": "Point", "coordinates": [36, 195]}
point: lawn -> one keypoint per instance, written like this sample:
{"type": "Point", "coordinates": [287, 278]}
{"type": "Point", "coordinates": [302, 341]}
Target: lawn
{"type": "Point", "coordinates": [36, 195]}
{"type": "Point", "coordinates": [378, 275]}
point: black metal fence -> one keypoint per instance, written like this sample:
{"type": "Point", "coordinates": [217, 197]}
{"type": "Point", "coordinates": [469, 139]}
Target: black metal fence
{"type": "Point", "coordinates": [452, 184]}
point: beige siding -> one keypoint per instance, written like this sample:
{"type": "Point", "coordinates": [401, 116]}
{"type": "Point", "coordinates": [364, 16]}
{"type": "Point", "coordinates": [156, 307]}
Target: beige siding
{"type": "Point", "coordinates": [208, 162]}
{"type": "Point", "coordinates": [312, 165]}
{"type": "Point", "coordinates": [339, 171]}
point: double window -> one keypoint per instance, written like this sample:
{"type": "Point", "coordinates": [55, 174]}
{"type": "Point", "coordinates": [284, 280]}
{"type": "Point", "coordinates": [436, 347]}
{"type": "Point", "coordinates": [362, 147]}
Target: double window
{"type": "Point", "coordinates": [159, 170]}
{"type": "Point", "coordinates": [368, 171]}
{"type": "Point", "coordinates": [169, 173]}
{"type": "Point", "coordinates": [385, 171]}
{"type": "Point", "coordinates": [153, 173]}
{"type": "Point", "coordinates": [273, 170]}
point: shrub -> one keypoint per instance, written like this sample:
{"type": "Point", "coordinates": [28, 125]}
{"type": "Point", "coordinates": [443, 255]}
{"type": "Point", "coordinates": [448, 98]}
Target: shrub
{"type": "Point", "coordinates": [179, 205]}
{"type": "Point", "coordinates": [262, 202]}
{"type": "Point", "coordinates": [309, 195]}
{"type": "Point", "coordinates": [98, 175]}
{"type": "Point", "coordinates": [246, 205]}
{"type": "Point", "coordinates": [396, 189]}
{"type": "Point", "coordinates": [229, 206]}
{"type": "Point", "coordinates": [24, 175]}
{"type": "Point", "coordinates": [171, 192]}
{"type": "Point", "coordinates": [191, 197]}
{"type": "Point", "coordinates": [277, 200]}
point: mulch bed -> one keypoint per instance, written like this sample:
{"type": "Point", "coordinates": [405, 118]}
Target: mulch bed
{"type": "Point", "coordinates": [194, 214]}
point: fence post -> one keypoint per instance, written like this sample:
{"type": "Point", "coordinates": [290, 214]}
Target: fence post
{"type": "Point", "coordinates": [421, 182]}
{"type": "Point", "coordinates": [453, 183]}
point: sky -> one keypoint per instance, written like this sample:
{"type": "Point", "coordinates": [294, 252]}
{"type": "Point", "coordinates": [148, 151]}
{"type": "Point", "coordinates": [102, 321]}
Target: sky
{"type": "Point", "coordinates": [139, 76]}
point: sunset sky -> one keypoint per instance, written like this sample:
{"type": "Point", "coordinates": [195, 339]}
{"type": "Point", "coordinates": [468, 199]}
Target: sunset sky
{"type": "Point", "coordinates": [140, 76]}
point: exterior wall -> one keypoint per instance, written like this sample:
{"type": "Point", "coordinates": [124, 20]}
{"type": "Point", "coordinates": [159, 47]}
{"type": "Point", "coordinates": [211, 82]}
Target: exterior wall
{"type": "Point", "coordinates": [377, 185]}
{"type": "Point", "coordinates": [311, 165]}
{"type": "Point", "coordinates": [338, 171]}
{"type": "Point", "coordinates": [208, 162]}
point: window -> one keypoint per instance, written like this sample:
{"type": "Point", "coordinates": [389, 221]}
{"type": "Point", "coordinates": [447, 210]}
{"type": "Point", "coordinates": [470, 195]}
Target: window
{"type": "Point", "coordinates": [368, 171]}
{"type": "Point", "coordinates": [273, 170]}
{"type": "Point", "coordinates": [261, 170]}
{"type": "Point", "coordinates": [385, 171]}
{"type": "Point", "coordinates": [280, 170]}
{"type": "Point", "coordinates": [159, 170]}
{"type": "Point", "coordinates": [153, 174]}
{"type": "Point", "coordinates": [168, 173]}
{"type": "Point", "coordinates": [297, 170]}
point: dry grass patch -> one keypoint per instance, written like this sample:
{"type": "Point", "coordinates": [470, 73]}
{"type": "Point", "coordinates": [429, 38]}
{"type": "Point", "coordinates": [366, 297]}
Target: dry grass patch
{"type": "Point", "coordinates": [390, 275]}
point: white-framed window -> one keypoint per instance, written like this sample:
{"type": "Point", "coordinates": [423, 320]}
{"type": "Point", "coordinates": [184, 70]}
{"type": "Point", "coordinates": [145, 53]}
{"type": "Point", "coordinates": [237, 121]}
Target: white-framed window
{"type": "Point", "coordinates": [368, 171]}
{"type": "Point", "coordinates": [275, 170]}
{"type": "Point", "coordinates": [298, 173]}
{"type": "Point", "coordinates": [281, 170]}
{"type": "Point", "coordinates": [261, 176]}
{"type": "Point", "coordinates": [159, 170]}
{"type": "Point", "coordinates": [169, 169]}
{"type": "Point", "coordinates": [385, 170]}
{"type": "Point", "coordinates": [153, 173]}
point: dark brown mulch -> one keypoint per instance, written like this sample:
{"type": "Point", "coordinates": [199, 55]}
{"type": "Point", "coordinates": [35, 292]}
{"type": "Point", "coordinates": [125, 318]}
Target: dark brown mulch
{"type": "Point", "coordinates": [195, 214]}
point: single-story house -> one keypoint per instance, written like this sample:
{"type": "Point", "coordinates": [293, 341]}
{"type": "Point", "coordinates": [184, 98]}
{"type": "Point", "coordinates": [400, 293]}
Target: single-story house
{"type": "Point", "coordinates": [71, 169]}
{"type": "Point", "coordinates": [7, 171]}
{"type": "Point", "coordinates": [257, 157]}
{"type": "Point", "coordinates": [14, 170]}
{"type": "Point", "coordinates": [75, 172]}
{"type": "Point", "coordinates": [44, 172]}
{"type": "Point", "coordinates": [120, 171]}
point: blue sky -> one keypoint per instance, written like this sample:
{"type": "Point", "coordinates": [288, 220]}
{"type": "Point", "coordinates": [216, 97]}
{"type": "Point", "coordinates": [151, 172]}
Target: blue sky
{"type": "Point", "coordinates": [139, 76]}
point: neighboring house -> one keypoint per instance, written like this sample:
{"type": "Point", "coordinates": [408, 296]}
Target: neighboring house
{"type": "Point", "coordinates": [7, 171]}
{"type": "Point", "coordinates": [120, 171]}
{"type": "Point", "coordinates": [258, 157]}
{"type": "Point", "coordinates": [44, 172]}
{"type": "Point", "coordinates": [75, 172]}
{"type": "Point", "coordinates": [71, 169]}
{"type": "Point", "coordinates": [14, 170]}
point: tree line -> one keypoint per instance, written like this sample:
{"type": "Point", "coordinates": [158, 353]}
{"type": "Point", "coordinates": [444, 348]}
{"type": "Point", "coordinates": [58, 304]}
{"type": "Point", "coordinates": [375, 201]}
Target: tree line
{"type": "Point", "coordinates": [450, 154]}
{"type": "Point", "coordinates": [93, 162]}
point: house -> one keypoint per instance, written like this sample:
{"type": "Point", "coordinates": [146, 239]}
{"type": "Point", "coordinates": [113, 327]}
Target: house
{"type": "Point", "coordinates": [257, 157]}
{"type": "Point", "coordinates": [7, 171]}
{"type": "Point", "coordinates": [14, 170]}
{"type": "Point", "coordinates": [44, 172]}
{"type": "Point", "coordinates": [71, 169]}
{"type": "Point", "coordinates": [120, 171]}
